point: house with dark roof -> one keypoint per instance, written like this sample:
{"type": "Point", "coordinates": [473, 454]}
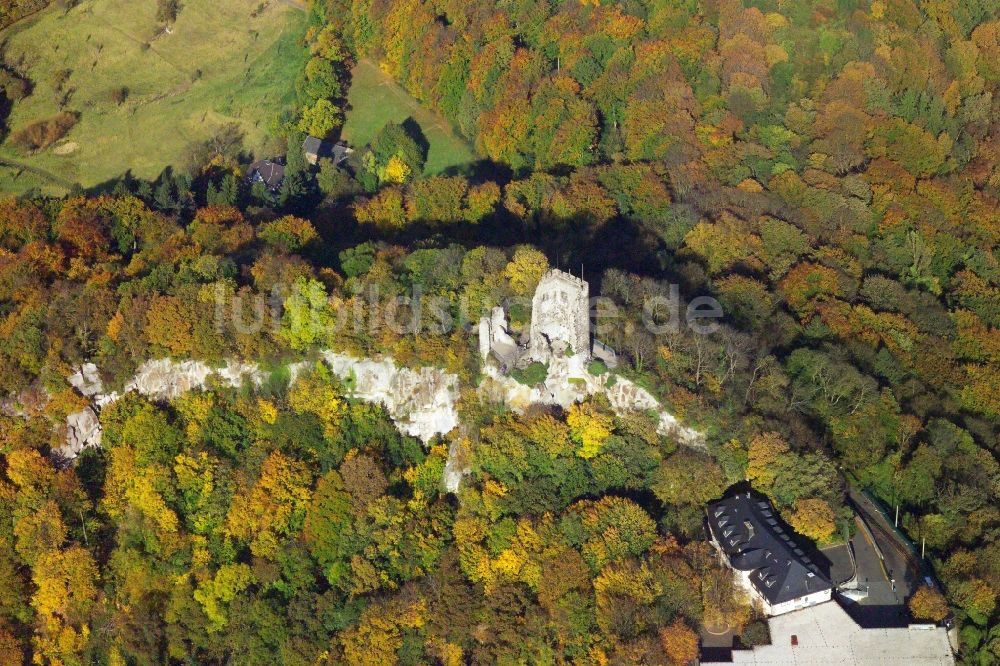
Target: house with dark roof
{"type": "Point", "coordinates": [316, 149]}
{"type": "Point", "coordinates": [752, 540]}
{"type": "Point", "coordinates": [268, 172]}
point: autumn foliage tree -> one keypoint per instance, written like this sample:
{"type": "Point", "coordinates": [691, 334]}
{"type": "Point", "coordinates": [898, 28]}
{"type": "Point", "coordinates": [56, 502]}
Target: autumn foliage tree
{"type": "Point", "coordinates": [814, 519]}
{"type": "Point", "coordinates": [927, 603]}
{"type": "Point", "coordinates": [680, 643]}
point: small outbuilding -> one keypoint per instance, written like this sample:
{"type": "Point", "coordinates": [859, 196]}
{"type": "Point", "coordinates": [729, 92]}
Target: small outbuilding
{"type": "Point", "coordinates": [316, 149]}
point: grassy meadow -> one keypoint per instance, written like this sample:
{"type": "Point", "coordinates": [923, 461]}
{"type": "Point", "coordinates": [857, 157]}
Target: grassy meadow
{"type": "Point", "coordinates": [217, 64]}
{"type": "Point", "coordinates": [375, 99]}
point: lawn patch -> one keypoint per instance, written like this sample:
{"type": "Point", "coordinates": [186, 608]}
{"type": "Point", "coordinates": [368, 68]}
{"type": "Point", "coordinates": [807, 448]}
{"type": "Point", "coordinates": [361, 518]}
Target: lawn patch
{"type": "Point", "coordinates": [218, 64]}
{"type": "Point", "coordinates": [375, 99]}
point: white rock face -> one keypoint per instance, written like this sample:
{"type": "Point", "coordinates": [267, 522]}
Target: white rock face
{"type": "Point", "coordinates": [625, 395]}
{"type": "Point", "coordinates": [456, 466]}
{"type": "Point", "coordinates": [83, 430]}
{"type": "Point", "coordinates": [569, 381]}
{"type": "Point", "coordinates": [164, 379]}
{"type": "Point", "coordinates": [87, 380]}
{"type": "Point", "coordinates": [236, 374]}
{"type": "Point", "coordinates": [420, 401]}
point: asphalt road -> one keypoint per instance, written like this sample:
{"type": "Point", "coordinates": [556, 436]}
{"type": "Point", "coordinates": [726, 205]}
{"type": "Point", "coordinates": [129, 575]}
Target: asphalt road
{"type": "Point", "coordinates": [841, 568]}
{"type": "Point", "coordinates": [901, 564]}
{"type": "Point", "coordinates": [889, 582]}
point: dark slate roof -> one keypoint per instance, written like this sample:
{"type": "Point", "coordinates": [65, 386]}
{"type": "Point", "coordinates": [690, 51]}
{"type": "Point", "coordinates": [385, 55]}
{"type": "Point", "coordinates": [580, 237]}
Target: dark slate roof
{"type": "Point", "coordinates": [337, 152]}
{"type": "Point", "coordinates": [312, 145]}
{"type": "Point", "coordinates": [750, 533]}
{"type": "Point", "coordinates": [267, 172]}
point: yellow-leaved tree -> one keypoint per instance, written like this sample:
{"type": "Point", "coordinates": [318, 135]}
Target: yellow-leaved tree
{"type": "Point", "coordinates": [66, 589]}
{"type": "Point", "coordinates": [762, 454]}
{"type": "Point", "coordinates": [215, 594]}
{"type": "Point", "coordinates": [813, 518]}
{"type": "Point", "coordinates": [928, 604]}
{"type": "Point", "coordinates": [379, 633]}
{"type": "Point", "coordinates": [39, 531]}
{"type": "Point", "coordinates": [589, 429]}
{"type": "Point", "coordinates": [525, 269]}
{"type": "Point", "coordinates": [274, 508]}
{"type": "Point", "coordinates": [680, 643]}
{"type": "Point", "coordinates": [395, 171]}
{"type": "Point", "coordinates": [315, 393]}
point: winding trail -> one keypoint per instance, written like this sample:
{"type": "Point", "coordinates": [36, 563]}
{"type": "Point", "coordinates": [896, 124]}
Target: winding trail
{"type": "Point", "coordinates": [47, 175]}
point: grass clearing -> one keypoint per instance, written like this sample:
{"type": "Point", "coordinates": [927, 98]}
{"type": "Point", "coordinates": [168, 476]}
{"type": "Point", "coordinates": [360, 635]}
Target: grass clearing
{"type": "Point", "coordinates": [218, 64]}
{"type": "Point", "coordinates": [375, 99]}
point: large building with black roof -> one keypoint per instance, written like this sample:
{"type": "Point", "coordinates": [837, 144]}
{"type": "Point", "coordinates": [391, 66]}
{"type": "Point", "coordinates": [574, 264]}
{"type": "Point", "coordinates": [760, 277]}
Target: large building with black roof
{"type": "Point", "coordinates": [773, 568]}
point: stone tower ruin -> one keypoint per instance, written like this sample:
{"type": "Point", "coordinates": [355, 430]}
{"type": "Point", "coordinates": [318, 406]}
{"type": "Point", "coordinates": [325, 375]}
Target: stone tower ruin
{"type": "Point", "coordinates": [560, 317]}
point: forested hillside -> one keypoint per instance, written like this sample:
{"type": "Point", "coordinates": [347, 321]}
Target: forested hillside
{"type": "Point", "coordinates": [828, 170]}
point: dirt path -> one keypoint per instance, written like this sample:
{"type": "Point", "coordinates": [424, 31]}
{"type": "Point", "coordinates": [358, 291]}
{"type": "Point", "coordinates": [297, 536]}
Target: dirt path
{"type": "Point", "coordinates": [47, 175]}
{"type": "Point", "coordinates": [297, 4]}
{"type": "Point", "coordinates": [149, 46]}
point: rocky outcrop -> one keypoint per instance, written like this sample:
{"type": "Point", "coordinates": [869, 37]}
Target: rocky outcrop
{"type": "Point", "coordinates": [164, 379]}
{"type": "Point", "coordinates": [161, 379]}
{"type": "Point", "coordinates": [457, 465]}
{"type": "Point", "coordinates": [83, 430]}
{"type": "Point", "coordinates": [421, 402]}
{"type": "Point", "coordinates": [87, 380]}
{"type": "Point", "coordinates": [569, 381]}
{"type": "Point", "coordinates": [626, 395]}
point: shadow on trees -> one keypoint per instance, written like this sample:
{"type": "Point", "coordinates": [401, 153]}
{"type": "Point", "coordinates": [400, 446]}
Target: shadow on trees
{"type": "Point", "coordinates": [415, 132]}
{"type": "Point", "coordinates": [568, 242]}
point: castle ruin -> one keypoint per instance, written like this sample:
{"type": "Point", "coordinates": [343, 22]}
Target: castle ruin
{"type": "Point", "coordinates": [560, 324]}
{"type": "Point", "coordinates": [560, 317]}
